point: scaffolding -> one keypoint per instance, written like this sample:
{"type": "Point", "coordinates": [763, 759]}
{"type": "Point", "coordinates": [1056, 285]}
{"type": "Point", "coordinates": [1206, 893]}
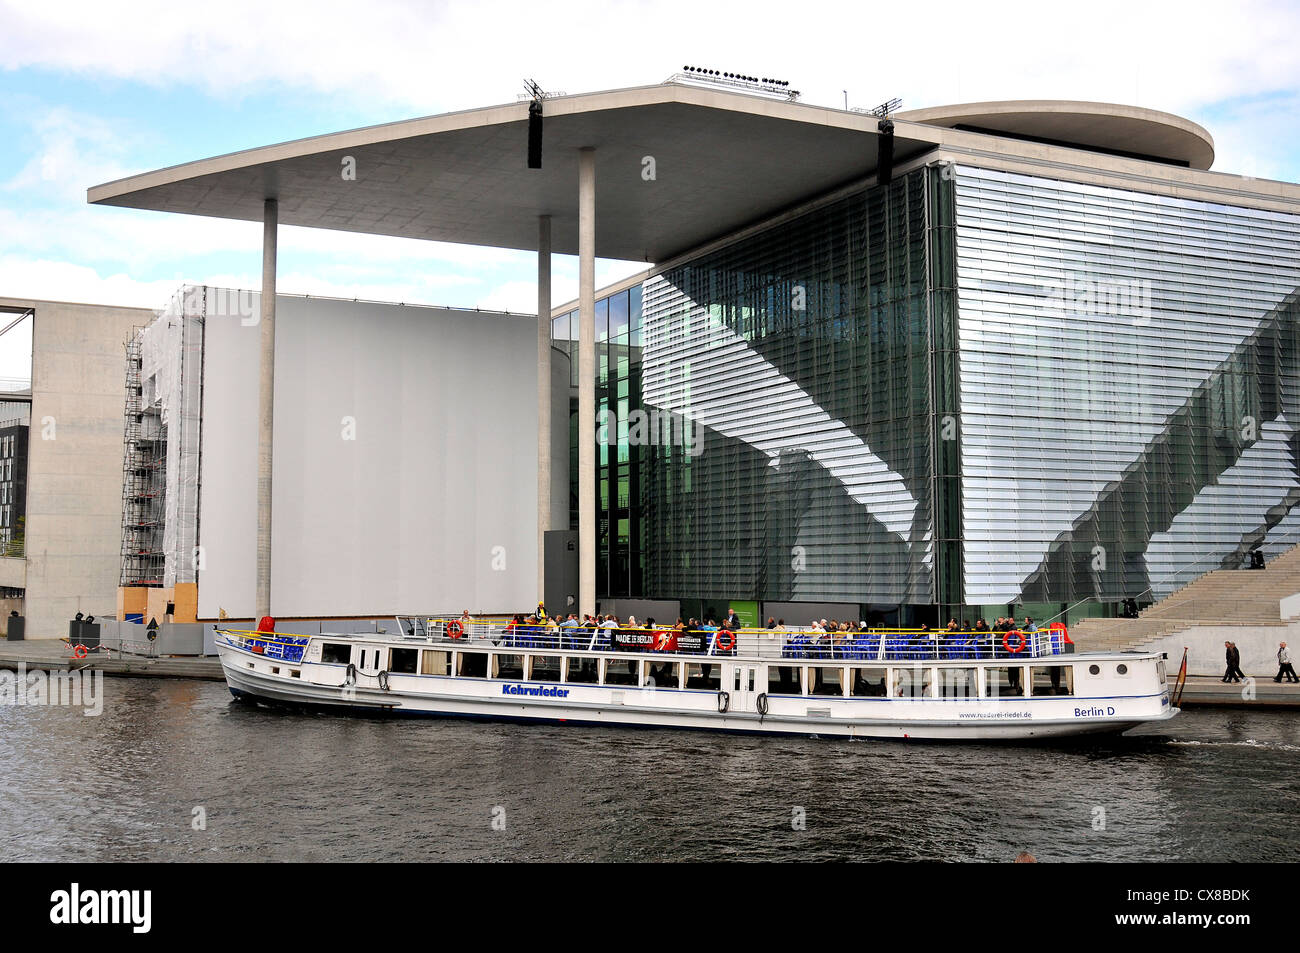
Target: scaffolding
{"type": "Point", "coordinates": [160, 475]}
{"type": "Point", "coordinates": [144, 479]}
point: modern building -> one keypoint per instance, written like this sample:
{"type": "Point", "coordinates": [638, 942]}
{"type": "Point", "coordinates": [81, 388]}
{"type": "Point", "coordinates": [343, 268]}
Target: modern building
{"type": "Point", "coordinates": [66, 484]}
{"type": "Point", "coordinates": [936, 363]}
{"type": "Point", "coordinates": [396, 489]}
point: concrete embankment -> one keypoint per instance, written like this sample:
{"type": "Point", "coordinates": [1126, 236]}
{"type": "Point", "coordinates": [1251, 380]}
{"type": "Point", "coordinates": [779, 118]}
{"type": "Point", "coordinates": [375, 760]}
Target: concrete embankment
{"type": "Point", "coordinates": [1258, 691]}
{"type": "Point", "coordinates": [54, 655]}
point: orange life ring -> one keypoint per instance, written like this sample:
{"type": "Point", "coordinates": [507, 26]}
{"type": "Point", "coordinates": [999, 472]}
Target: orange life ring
{"type": "Point", "coordinates": [730, 638]}
{"type": "Point", "coordinates": [1006, 643]}
{"type": "Point", "coordinates": [79, 652]}
{"type": "Point", "coordinates": [454, 630]}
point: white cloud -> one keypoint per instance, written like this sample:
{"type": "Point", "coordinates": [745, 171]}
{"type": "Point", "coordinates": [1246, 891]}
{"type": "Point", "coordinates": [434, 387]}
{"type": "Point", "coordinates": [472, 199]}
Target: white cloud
{"type": "Point", "coordinates": [433, 57]}
{"type": "Point", "coordinates": [421, 58]}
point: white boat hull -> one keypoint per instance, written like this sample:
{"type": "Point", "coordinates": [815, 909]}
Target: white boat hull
{"type": "Point", "coordinates": [257, 678]}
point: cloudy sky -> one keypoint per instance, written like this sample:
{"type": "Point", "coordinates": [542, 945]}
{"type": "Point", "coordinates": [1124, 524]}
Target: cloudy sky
{"type": "Point", "coordinates": [91, 92]}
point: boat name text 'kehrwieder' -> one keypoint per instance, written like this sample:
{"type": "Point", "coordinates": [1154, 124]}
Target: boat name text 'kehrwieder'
{"type": "Point", "coordinates": [534, 690]}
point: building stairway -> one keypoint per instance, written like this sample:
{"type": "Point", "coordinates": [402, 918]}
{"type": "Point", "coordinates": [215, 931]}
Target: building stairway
{"type": "Point", "coordinates": [1222, 597]}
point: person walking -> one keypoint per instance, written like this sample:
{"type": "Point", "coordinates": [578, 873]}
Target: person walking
{"type": "Point", "coordinates": [1284, 666]}
{"type": "Point", "coordinates": [1234, 672]}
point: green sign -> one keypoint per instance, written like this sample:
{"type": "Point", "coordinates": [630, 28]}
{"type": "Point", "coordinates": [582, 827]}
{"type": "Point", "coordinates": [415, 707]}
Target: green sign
{"type": "Point", "coordinates": [748, 612]}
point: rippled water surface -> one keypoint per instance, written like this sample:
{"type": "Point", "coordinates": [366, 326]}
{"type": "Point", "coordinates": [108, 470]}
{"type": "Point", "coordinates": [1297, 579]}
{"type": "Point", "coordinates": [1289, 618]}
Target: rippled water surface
{"type": "Point", "coordinates": [1211, 785]}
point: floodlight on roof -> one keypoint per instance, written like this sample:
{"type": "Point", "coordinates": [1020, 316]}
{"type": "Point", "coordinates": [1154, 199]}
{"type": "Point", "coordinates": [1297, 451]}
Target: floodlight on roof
{"type": "Point", "coordinates": [741, 81]}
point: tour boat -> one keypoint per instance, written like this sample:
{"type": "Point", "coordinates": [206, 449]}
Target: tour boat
{"type": "Point", "coordinates": [877, 683]}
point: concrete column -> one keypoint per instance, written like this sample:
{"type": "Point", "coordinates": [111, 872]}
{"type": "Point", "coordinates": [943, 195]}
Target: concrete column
{"type": "Point", "coordinates": [543, 399]}
{"type": "Point", "coordinates": [587, 380]}
{"type": "Point", "coordinates": [266, 408]}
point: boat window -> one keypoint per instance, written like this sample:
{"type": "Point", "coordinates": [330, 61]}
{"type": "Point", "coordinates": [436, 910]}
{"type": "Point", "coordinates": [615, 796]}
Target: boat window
{"type": "Point", "coordinates": [544, 668]}
{"type": "Point", "coordinates": [958, 683]}
{"type": "Point", "coordinates": [620, 671]}
{"type": "Point", "coordinates": [912, 682]}
{"type": "Point", "coordinates": [667, 675]}
{"type": "Point", "coordinates": [1053, 679]}
{"type": "Point", "coordinates": [581, 670]}
{"type": "Point", "coordinates": [436, 663]}
{"type": "Point", "coordinates": [337, 653]}
{"type": "Point", "coordinates": [403, 661]}
{"type": "Point", "coordinates": [508, 666]}
{"type": "Point", "coordinates": [783, 680]}
{"type": "Point", "coordinates": [703, 677]}
{"type": "Point", "coordinates": [1004, 681]}
{"type": "Point", "coordinates": [867, 682]}
{"type": "Point", "coordinates": [472, 665]}
{"type": "Point", "coordinates": [825, 680]}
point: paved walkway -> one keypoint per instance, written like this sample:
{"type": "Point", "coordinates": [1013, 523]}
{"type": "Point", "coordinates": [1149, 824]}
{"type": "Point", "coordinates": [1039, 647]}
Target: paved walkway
{"type": "Point", "coordinates": [1260, 691]}
{"type": "Point", "coordinates": [54, 655]}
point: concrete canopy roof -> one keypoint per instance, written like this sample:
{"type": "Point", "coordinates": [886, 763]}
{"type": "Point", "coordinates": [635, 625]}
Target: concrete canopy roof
{"type": "Point", "coordinates": [1126, 130]}
{"type": "Point", "coordinates": [722, 161]}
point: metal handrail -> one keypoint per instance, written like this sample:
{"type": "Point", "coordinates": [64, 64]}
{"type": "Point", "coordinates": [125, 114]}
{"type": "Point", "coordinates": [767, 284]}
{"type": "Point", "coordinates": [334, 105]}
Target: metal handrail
{"type": "Point", "coordinates": [1291, 539]}
{"type": "Point", "coordinates": [885, 645]}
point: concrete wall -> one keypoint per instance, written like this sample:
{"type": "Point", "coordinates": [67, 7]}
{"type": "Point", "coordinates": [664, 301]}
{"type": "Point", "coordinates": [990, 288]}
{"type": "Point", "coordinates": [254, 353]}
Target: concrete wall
{"type": "Point", "coordinates": [13, 572]}
{"type": "Point", "coordinates": [74, 471]}
{"type": "Point", "coordinates": [405, 455]}
{"type": "Point", "coordinates": [1205, 656]}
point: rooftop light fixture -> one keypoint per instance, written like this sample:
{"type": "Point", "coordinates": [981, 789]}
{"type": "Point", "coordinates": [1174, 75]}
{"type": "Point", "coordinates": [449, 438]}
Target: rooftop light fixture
{"type": "Point", "coordinates": [741, 81]}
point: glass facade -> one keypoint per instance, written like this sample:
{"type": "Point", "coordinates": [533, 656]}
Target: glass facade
{"type": "Point", "coordinates": [1128, 387]}
{"type": "Point", "coordinates": [620, 523]}
{"type": "Point", "coordinates": [967, 388]}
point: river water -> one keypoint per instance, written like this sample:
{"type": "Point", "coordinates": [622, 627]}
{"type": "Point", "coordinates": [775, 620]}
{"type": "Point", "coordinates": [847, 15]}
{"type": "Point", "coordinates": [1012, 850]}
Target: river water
{"type": "Point", "coordinates": [178, 770]}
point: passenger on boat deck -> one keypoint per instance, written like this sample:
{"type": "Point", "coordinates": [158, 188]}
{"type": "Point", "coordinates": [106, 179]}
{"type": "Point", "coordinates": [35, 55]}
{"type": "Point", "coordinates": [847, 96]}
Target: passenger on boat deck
{"type": "Point", "coordinates": [771, 622]}
{"type": "Point", "coordinates": [780, 624]}
{"type": "Point", "coordinates": [631, 622]}
{"type": "Point", "coordinates": [570, 623]}
{"type": "Point", "coordinates": [952, 625]}
{"type": "Point", "coordinates": [925, 628]}
{"type": "Point", "coordinates": [980, 625]}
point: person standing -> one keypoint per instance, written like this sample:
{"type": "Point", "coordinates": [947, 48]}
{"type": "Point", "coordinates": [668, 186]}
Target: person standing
{"type": "Point", "coordinates": [1284, 666]}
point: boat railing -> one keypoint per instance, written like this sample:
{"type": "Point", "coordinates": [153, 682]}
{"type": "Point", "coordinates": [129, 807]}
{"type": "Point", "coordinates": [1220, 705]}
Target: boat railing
{"type": "Point", "coordinates": [277, 645]}
{"type": "Point", "coordinates": [808, 644]}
